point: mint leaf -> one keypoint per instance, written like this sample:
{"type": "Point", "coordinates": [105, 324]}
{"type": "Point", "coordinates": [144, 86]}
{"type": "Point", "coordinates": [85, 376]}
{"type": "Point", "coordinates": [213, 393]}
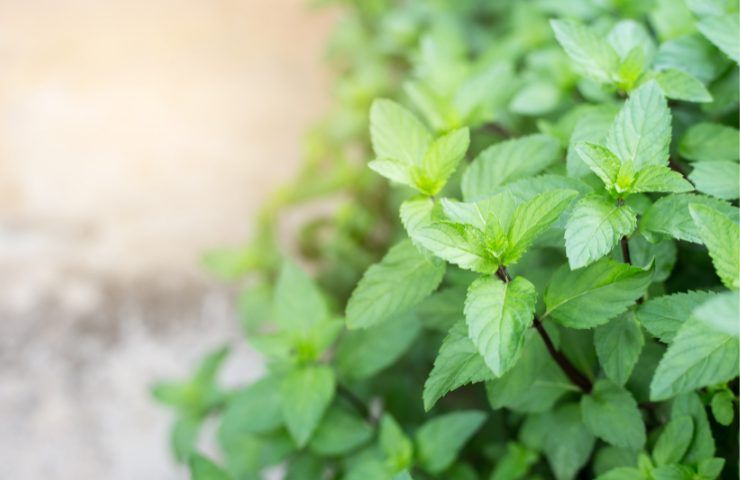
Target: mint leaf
{"type": "Point", "coordinates": [363, 353]}
{"type": "Point", "coordinates": [394, 444]}
{"type": "Point", "coordinates": [590, 53]}
{"type": "Point", "coordinates": [440, 439]}
{"type": "Point", "coordinates": [663, 316]}
{"type": "Point", "coordinates": [721, 234]}
{"type": "Point", "coordinates": [693, 54]}
{"type": "Point", "coordinates": [702, 444]}
{"type": "Point", "coordinates": [699, 356]}
{"type": "Point", "coordinates": [458, 363]}
{"type": "Point", "coordinates": [592, 126]}
{"type": "Point", "coordinates": [618, 345]}
{"type": "Point", "coordinates": [717, 178]}
{"type": "Point", "coordinates": [592, 296]}
{"type": "Point", "coordinates": [641, 132]}
{"type": "Point", "coordinates": [402, 279]}
{"type": "Point", "coordinates": [338, 433]}
{"type": "Point", "coordinates": [416, 213]}
{"type": "Point", "coordinates": [441, 160]}
{"type": "Point", "coordinates": [515, 464]}
{"type": "Point", "coordinates": [601, 161]}
{"type": "Point", "coordinates": [201, 468]}
{"type": "Point", "coordinates": [723, 407]}
{"type": "Point", "coordinates": [623, 473]}
{"type": "Point", "coordinates": [594, 227]}
{"type": "Point", "coordinates": [673, 442]}
{"type": "Point", "coordinates": [255, 409]}
{"type": "Point", "coordinates": [459, 244]}
{"type": "Point", "coordinates": [532, 218]}
{"type": "Point", "coordinates": [506, 161]}
{"type": "Point", "coordinates": [710, 142]}
{"type": "Point", "coordinates": [720, 312]}
{"type": "Point", "coordinates": [610, 413]}
{"type": "Point", "coordinates": [723, 31]}
{"type": "Point", "coordinates": [498, 315]}
{"type": "Point", "coordinates": [670, 216]}
{"type": "Point", "coordinates": [658, 178]}
{"type": "Point", "coordinates": [298, 303]}
{"type": "Point", "coordinates": [568, 443]}
{"type": "Point", "coordinates": [679, 85]}
{"type": "Point", "coordinates": [306, 393]}
{"type": "Point", "coordinates": [396, 134]}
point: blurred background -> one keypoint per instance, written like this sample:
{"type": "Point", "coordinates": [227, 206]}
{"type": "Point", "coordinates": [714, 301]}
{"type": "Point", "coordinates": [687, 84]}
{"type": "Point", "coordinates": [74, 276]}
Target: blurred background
{"type": "Point", "coordinates": [134, 135]}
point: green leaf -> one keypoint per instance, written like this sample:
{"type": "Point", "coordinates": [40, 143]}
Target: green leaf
{"type": "Point", "coordinates": [723, 31]}
{"type": "Point", "coordinates": [568, 443]}
{"type": "Point", "coordinates": [601, 161]}
{"type": "Point", "coordinates": [441, 160]}
{"type": "Point", "coordinates": [338, 433]}
{"type": "Point", "coordinates": [723, 407]}
{"type": "Point", "coordinates": [363, 353]}
{"type": "Point", "coordinates": [592, 126]}
{"type": "Point", "coordinates": [663, 316]}
{"type": "Point", "coordinates": [298, 303]}
{"type": "Point", "coordinates": [710, 468]}
{"type": "Point", "coordinates": [306, 393]}
{"type": "Point", "coordinates": [721, 234]}
{"type": "Point", "coordinates": [710, 142]}
{"type": "Point", "coordinates": [679, 85]}
{"type": "Point", "coordinates": [255, 409]}
{"type": "Point", "coordinates": [702, 444]}
{"type": "Point", "coordinates": [202, 468]}
{"type": "Point", "coordinates": [618, 346]}
{"type": "Point", "coordinates": [396, 133]}
{"type": "Point", "coordinates": [498, 315]}
{"type": "Point", "coordinates": [611, 414]}
{"type": "Point", "coordinates": [534, 384]}
{"type": "Point", "coordinates": [184, 437]}
{"type": "Point", "coordinates": [699, 356]}
{"type": "Point", "coordinates": [416, 213]}
{"type": "Point", "coordinates": [443, 309]}
{"type": "Point", "coordinates": [393, 170]}
{"type": "Point", "coordinates": [692, 54]}
{"type": "Point", "coordinates": [670, 216]}
{"type": "Point", "coordinates": [594, 227]}
{"type": "Point", "coordinates": [673, 472]}
{"type": "Point", "coordinates": [641, 132]}
{"type": "Point", "coordinates": [440, 439]}
{"type": "Point", "coordinates": [657, 178]}
{"type": "Point", "coordinates": [623, 473]}
{"type": "Point", "coordinates": [506, 161]}
{"type": "Point", "coordinates": [459, 244]}
{"type": "Point", "coordinates": [673, 442]}
{"type": "Point", "coordinates": [590, 53]}
{"type": "Point", "coordinates": [515, 464]}
{"type": "Point", "coordinates": [458, 363]}
{"type": "Point", "coordinates": [592, 296]}
{"type": "Point", "coordinates": [720, 312]}
{"type": "Point", "coordinates": [402, 279]}
{"type": "Point", "coordinates": [534, 217]}
{"type": "Point", "coordinates": [394, 443]}
{"type": "Point", "coordinates": [717, 178]}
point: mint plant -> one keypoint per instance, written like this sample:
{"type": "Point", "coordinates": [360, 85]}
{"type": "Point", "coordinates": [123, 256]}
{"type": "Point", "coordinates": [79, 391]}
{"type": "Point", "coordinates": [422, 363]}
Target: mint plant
{"type": "Point", "coordinates": [532, 271]}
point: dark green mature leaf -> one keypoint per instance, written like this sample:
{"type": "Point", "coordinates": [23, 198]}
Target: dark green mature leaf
{"type": "Point", "coordinates": [670, 216]}
{"type": "Point", "coordinates": [306, 392]}
{"type": "Point", "coordinates": [506, 161]}
{"type": "Point", "coordinates": [721, 234]}
{"type": "Point", "coordinates": [710, 142]}
{"type": "Point", "coordinates": [402, 279]}
{"type": "Point", "coordinates": [663, 316]}
{"type": "Point", "coordinates": [458, 363]}
{"type": "Point", "coordinates": [443, 309]}
{"type": "Point", "coordinates": [498, 315]}
{"type": "Point", "coordinates": [201, 468]}
{"type": "Point", "coordinates": [515, 464]}
{"type": "Point", "coordinates": [363, 353]}
{"type": "Point", "coordinates": [594, 228]}
{"type": "Point", "coordinates": [673, 442]}
{"type": "Point", "coordinates": [699, 356]}
{"type": "Point", "coordinates": [592, 296]}
{"type": "Point", "coordinates": [534, 384]}
{"type": "Point", "coordinates": [723, 407]}
{"type": "Point", "coordinates": [623, 473]}
{"type": "Point", "coordinates": [339, 432]}
{"type": "Point", "coordinates": [568, 443]}
{"type": "Point", "coordinates": [618, 346]}
{"type": "Point", "coordinates": [702, 444]}
{"type": "Point", "coordinates": [642, 130]}
{"type": "Point", "coordinates": [440, 439]}
{"type": "Point", "coordinates": [611, 413]}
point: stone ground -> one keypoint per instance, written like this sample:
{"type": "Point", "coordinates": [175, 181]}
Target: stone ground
{"type": "Point", "coordinates": [133, 135]}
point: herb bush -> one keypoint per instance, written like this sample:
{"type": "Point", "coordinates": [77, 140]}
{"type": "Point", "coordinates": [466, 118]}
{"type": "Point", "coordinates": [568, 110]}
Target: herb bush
{"type": "Point", "coordinates": [547, 285]}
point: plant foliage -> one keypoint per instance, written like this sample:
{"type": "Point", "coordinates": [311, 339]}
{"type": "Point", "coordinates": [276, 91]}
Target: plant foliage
{"type": "Point", "coordinates": [536, 277]}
